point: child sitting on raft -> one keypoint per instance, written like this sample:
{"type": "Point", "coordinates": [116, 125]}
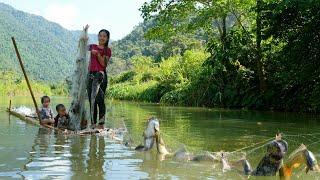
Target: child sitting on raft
{"type": "Point", "coordinates": [45, 112]}
{"type": "Point", "coordinates": [61, 121]}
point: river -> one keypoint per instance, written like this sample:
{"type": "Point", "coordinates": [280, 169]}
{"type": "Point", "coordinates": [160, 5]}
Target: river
{"type": "Point", "coordinates": [28, 151]}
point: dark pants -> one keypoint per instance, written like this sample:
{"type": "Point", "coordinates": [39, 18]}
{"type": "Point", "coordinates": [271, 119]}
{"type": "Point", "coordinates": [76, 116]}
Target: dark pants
{"type": "Point", "coordinates": [95, 78]}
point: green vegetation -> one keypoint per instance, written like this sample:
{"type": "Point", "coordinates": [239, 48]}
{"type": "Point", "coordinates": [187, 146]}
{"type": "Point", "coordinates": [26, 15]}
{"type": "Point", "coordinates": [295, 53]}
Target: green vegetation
{"type": "Point", "coordinates": [48, 50]}
{"type": "Point", "coordinates": [170, 81]}
{"type": "Point", "coordinates": [13, 84]}
{"type": "Point", "coordinates": [135, 44]}
{"type": "Point", "coordinates": [260, 54]}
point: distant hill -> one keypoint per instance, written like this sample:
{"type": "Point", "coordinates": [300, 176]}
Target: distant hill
{"type": "Point", "coordinates": [135, 44]}
{"type": "Point", "coordinates": [47, 49]}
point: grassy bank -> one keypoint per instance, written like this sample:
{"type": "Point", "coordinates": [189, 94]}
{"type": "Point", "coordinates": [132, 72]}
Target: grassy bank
{"type": "Point", "coordinates": [13, 84]}
{"type": "Point", "coordinates": [169, 82]}
{"type": "Point", "coordinates": [186, 80]}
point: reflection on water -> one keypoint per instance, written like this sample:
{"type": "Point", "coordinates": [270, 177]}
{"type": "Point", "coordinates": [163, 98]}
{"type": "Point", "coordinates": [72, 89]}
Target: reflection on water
{"type": "Point", "coordinates": [27, 151]}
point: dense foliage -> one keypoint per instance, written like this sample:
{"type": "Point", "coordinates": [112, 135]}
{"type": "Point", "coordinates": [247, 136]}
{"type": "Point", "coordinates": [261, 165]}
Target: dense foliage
{"type": "Point", "coordinates": [261, 54]}
{"type": "Point", "coordinates": [170, 81]}
{"type": "Point", "coordinates": [135, 44]}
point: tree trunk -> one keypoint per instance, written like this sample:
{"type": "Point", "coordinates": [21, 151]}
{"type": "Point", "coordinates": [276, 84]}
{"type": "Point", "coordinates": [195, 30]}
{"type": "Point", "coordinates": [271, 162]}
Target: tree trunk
{"type": "Point", "coordinates": [225, 60]}
{"type": "Point", "coordinates": [260, 68]}
{"type": "Point", "coordinates": [223, 36]}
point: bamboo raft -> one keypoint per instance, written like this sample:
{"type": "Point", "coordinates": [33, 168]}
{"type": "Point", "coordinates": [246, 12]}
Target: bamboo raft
{"type": "Point", "coordinates": [111, 133]}
{"type": "Point", "coordinates": [35, 121]}
{"type": "Point", "coordinates": [27, 119]}
{"type": "Point", "coordinates": [75, 117]}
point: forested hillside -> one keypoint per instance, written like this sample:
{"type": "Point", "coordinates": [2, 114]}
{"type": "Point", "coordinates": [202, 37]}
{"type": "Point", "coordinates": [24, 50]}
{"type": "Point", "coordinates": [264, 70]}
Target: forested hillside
{"type": "Point", "coordinates": [47, 49]}
{"type": "Point", "coordinates": [258, 54]}
{"type": "Point", "coordinates": [136, 44]}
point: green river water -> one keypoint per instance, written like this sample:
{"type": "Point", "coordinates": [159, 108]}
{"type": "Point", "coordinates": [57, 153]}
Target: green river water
{"type": "Point", "coordinates": [30, 152]}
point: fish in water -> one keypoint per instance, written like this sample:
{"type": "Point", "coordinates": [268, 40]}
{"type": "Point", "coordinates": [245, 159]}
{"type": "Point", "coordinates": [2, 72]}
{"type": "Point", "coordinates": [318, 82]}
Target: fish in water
{"type": "Point", "coordinates": [149, 134]}
{"type": "Point", "coordinates": [225, 164]}
{"type": "Point", "coordinates": [300, 156]}
{"type": "Point", "coordinates": [182, 154]}
{"type": "Point", "coordinates": [311, 162]}
{"type": "Point", "coordinates": [161, 147]}
{"type": "Point", "coordinates": [246, 166]}
{"type": "Point", "coordinates": [152, 133]}
{"type": "Point", "coordinates": [241, 165]}
{"type": "Point", "coordinates": [207, 156]}
{"type": "Point", "coordinates": [272, 161]}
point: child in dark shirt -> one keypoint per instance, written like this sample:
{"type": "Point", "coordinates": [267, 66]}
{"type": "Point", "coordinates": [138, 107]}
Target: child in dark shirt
{"type": "Point", "coordinates": [61, 121]}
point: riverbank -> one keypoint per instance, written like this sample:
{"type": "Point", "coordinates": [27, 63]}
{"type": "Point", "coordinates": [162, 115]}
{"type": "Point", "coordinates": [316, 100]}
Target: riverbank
{"type": "Point", "coordinates": [13, 84]}
{"type": "Point", "coordinates": [185, 80]}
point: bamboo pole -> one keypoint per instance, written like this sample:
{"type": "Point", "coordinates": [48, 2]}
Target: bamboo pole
{"type": "Point", "coordinates": [9, 110]}
{"type": "Point", "coordinates": [26, 77]}
{"type": "Point", "coordinates": [10, 105]}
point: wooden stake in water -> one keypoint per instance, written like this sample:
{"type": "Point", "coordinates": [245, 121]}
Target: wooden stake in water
{"type": "Point", "coordinates": [10, 105]}
{"type": "Point", "coordinates": [26, 77]}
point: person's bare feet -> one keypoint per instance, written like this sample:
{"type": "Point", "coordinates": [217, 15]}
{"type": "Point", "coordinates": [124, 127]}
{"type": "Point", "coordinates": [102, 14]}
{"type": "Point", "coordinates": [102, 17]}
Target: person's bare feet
{"type": "Point", "coordinates": [100, 126]}
{"type": "Point", "coordinates": [93, 126]}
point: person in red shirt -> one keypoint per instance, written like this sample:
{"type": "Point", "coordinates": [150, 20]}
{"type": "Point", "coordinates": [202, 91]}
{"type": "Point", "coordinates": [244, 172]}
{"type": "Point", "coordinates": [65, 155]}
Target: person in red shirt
{"type": "Point", "coordinates": [97, 77]}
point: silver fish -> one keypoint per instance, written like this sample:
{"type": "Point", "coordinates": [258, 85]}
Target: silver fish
{"type": "Point", "coordinates": [246, 166]}
{"type": "Point", "coordinates": [182, 155]}
{"type": "Point", "coordinates": [311, 162]}
{"type": "Point", "coordinates": [149, 134]}
{"type": "Point", "coordinates": [225, 164]}
{"type": "Point", "coordinates": [207, 156]}
{"type": "Point", "coordinates": [161, 147]}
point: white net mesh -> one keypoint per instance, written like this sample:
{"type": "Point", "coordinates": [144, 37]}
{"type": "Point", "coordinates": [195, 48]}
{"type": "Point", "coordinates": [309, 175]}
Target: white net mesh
{"type": "Point", "coordinates": [78, 90]}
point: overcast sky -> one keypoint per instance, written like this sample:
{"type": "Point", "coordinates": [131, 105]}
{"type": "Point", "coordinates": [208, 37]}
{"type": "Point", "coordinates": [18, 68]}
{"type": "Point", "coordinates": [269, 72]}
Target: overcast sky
{"type": "Point", "coordinates": [118, 16]}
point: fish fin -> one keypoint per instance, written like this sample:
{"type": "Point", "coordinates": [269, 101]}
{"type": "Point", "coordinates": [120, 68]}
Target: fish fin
{"type": "Point", "coordinates": [139, 147]}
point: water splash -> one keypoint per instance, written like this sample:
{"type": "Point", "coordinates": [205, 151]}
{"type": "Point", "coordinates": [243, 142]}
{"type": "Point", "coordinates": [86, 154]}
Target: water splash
{"type": "Point", "coordinates": [25, 111]}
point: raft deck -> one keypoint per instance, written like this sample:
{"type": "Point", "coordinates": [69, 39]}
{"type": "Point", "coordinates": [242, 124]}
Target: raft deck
{"type": "Point", "coordinates": [35, 121]}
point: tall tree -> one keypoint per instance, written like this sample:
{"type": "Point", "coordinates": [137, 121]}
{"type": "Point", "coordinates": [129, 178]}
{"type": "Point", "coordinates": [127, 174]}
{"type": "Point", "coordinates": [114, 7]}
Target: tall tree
{"type": "Point", "coordinates": [259, 63]}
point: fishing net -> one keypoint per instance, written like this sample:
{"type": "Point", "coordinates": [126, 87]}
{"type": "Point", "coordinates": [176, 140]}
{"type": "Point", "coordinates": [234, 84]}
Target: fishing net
{"type": "Point", "coordinates": [77, 109]}
{"type": "Point", "coordinates": [255, 151]}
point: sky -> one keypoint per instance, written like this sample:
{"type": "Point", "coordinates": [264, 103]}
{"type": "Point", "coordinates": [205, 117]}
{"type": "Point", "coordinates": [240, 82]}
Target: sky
{"type": "Point", "coordinates": [117, 16]}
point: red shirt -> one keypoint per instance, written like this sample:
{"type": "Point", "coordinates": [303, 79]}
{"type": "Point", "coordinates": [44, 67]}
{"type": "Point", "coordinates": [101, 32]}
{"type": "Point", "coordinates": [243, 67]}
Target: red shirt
{"type": "Point", "coordinates": [94, 65]}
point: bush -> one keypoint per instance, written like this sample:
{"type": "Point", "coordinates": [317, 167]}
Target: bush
{"type": "Point", "coordinates": [123, 77]}
{"type": "Point", "coordinates": [166, 82]}
{"type": "Point", "coordinates": [13, 84]}
{"type": "Point", "coordinates": [130, 91]}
